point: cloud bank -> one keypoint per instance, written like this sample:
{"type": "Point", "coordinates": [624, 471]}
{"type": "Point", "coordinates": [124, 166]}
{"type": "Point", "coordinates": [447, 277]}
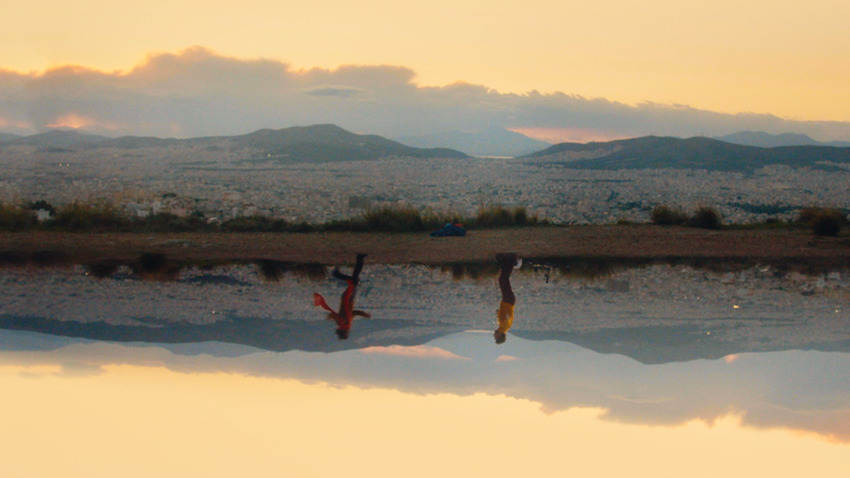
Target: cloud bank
{"type": "Point", "coordinates": [198, 93]}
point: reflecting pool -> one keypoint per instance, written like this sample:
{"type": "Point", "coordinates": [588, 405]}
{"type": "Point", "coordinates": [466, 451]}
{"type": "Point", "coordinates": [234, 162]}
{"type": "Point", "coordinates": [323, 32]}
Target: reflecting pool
{"type": "Point", "coordinates": [655, 371]}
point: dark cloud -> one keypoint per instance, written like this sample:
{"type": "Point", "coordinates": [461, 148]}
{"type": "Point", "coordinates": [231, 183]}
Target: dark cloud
{"type": "Point", "coordinates": [197, 92]}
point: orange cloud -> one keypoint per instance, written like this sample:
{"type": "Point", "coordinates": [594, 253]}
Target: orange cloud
{"type": "Point", "coordinates": [71, 120]}
{"type": "Point", "coordinates": [77, 121]}
{"type": "Point", "coordinates": [416, 351]}
{"type": "Point", "coordinates": [5, 123]}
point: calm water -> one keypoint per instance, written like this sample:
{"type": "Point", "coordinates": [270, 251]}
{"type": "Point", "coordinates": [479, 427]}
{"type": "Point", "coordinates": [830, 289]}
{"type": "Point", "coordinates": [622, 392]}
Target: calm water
{"type": "Point", "coordinates": [656, 371]}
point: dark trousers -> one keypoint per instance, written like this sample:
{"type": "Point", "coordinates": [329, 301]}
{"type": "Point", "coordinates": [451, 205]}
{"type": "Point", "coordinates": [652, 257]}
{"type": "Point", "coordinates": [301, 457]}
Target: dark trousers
{"type": "Point", "coordinates": [355, 276]}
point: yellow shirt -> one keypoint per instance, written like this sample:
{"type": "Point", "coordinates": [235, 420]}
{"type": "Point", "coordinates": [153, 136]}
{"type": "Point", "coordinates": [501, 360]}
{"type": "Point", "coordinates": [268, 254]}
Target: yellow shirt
{"type": "Point", "coordinates": [506, 316]}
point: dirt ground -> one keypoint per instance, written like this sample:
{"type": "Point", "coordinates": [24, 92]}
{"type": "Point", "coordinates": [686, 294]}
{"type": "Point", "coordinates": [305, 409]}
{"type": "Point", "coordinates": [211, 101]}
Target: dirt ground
{"type": "Point", "coordinates": [626, 242]}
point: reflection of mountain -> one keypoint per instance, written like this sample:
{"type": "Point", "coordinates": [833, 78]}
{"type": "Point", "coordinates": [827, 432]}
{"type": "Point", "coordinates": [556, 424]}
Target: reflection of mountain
{"type": "Point", "coordinates": [654, 152]}
{"type": "Point", "coordinates": [273, 335]}
{"type": "Point", "coordinates": [648, 345]}
{"type": "Point", "coordinates": [674, 343]}
{"type": "Point", "coordinates": [795, 389]}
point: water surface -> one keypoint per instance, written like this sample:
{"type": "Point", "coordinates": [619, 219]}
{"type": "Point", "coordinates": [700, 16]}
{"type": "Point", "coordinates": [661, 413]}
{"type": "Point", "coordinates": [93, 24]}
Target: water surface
{"type": "Point", "coordinates": [652, 371]}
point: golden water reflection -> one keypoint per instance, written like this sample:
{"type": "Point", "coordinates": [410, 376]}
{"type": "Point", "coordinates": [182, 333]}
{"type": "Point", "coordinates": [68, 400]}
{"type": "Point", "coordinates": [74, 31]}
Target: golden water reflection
{"type": "Point", "coordinates": [147, 420]}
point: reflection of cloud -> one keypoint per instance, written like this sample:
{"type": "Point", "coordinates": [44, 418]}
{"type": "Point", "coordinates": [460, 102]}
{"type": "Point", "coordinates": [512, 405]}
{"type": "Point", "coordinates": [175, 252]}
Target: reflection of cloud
{"type": "Point", "coordinates": [416, 351]}
{"type": "Point", "coordinates": [80, 369]}
{"type": "Point", "coordinates": [198, 93]}
{"type": "Point", "coordinates": [29, 371]}
{"type": "Point", "coordinates": [805, 391]}
{"type": "Point", "coordinates": [506, 358]}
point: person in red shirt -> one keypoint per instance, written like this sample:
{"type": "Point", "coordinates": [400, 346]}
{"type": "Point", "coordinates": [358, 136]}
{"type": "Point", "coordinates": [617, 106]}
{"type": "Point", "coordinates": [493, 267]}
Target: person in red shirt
{"type": "Point", "coordinates": [347, 312]}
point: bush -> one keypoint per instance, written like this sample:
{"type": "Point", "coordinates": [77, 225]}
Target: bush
{"type": "Point", "coordinates": [13, 218]}
{"type": "Point", "coordinates": [89, 218]}
{"type": "Point", "coordinates": [826, 226]}
{"type": "Point", "coordinates": [500, 216]}
{"type": "Point", "coordinates": [41, 204]}
{"type": "Point", "coordinates": [254, 223]}
{"type": "Point", "coordinates": [167, 222]}
{"type": "Point", "coordinates": [394, 219]}
{"type": "Point", "coordinates": [667, 216]}
{"type": "Point", "coordinates": [705, 218]}
{"type": "Point", "coordinates": [155, 266]}
{"type": "Point", "coordinates": [520, 216]}
{"type": "Point", "coordinates": [491, 216]}
{"type": "Point", "coordinates": [823, 221]}
{"type": "Point", "coordinates": [809, 214]}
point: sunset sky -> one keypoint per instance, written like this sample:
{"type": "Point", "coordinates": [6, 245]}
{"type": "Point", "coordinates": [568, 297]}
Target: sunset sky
{"type": "Point", "coordinates": [609, 68]}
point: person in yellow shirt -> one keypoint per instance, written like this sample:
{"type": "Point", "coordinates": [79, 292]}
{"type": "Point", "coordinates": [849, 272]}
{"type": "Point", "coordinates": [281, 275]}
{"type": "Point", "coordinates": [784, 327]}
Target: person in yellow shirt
{"type": "Point", "coordinates": [505, 314]}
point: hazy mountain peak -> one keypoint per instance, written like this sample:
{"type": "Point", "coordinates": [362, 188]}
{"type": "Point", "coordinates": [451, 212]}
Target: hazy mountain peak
{"type": "Point", "coordinates": [480, 142]}
{"type": "Point", "coordinates": [655, 152]}
{"type": "Point", "coordinates": [321, 142]}
{"type": "Point", "coordinates": [7, 137]}
{"type": "Point", "coordinates": [766, 140]}
{"type": "Point", "coordinates": [59, 138]}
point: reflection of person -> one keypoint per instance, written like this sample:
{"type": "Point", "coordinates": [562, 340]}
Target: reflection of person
{"type": "Point", "coordinates": [346, 313]}
{"type": "Point", "coordinates": [505, 314]}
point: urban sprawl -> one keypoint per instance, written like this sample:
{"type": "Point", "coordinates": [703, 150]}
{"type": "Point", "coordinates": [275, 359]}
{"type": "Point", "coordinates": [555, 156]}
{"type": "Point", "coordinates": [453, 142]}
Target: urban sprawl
{"type": "Point", "coordinates": [221, 184]}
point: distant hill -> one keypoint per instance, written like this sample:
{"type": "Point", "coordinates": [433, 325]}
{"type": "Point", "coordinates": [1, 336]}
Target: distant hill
{"type": "Point", "coordinates": [658, 344]}
{"type": "Point", "coordinates": [331, 143]}
{"type": "Point", "coordinates": [58, 138]}
{"type": "Point", "coordinates": [137, 142]}
{"type": "Point", "coordinates": [652, 152]}
{"type": "Point", "coordinates": [7, 137]}
{"type": "Point", "coordinates": [319, 143]}
{"type": "Point", "coordinates": [767, 140]}
{"type": "Point", "coordinates": [485, 142]}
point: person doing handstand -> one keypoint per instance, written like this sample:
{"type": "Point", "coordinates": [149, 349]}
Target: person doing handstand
{"type": "Point", "coordinates": [505, 314]}
{"type": "Point", "coordinates": [346, 313]}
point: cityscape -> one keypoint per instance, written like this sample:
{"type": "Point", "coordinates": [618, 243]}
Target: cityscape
{"type": "Point", "coordinates": [220, 184]}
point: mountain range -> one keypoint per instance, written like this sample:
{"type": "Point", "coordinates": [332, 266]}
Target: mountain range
{"type": "Point", "coordinates": [482, 142]}
{"type": "Point", "coordinates": [766, 140]}
{"type": "Point", "coordinates": [646, 344]}
{"type": "Point", "coordinates": [306, 141]}
{"type": "Point", "coordinates": [328, 143]}
{"type": "Point", "coordinates": [653, 152]}
{"type": "Point", "coordinates": [317, 143]}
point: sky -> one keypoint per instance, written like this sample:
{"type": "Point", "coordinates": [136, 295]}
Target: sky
{"type": "Point", "coordinates": [552, 69]}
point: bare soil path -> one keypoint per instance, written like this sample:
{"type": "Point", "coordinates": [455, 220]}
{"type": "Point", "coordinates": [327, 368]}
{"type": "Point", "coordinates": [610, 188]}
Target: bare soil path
{"type": "Point", "coordinates": [626, 242]}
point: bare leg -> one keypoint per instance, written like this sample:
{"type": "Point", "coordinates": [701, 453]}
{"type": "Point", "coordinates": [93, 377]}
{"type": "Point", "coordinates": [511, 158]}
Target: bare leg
{"type": "Point", "coordinates": [507, 262]}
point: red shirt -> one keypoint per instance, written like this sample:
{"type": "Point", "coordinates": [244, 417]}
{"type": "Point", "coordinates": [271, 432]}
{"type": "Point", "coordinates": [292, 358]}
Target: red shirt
{"type": "Point", "coordinates": [345, 315]}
